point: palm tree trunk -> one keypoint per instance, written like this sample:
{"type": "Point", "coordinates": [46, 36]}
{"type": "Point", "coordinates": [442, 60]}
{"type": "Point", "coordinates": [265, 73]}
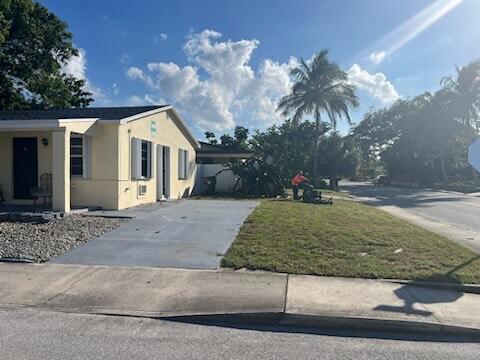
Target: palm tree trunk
{"type": "Point", "coordinates": [315, 155]}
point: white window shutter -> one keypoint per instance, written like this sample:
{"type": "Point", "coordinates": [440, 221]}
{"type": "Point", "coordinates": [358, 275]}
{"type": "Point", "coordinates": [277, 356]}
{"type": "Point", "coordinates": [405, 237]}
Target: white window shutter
{"type": "Point", "coordinates": [186, 164]}
{"type": "Point", "coordinates": [149, 159]}
{"type": "Point", "coordinates": [180, 164]}
{"type": "Point", "coordinates": [136, 158]}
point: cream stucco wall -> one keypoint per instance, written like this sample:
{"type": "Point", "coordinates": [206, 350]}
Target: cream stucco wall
{"type": "Point", "coordinates": [109, 183]}
{"type": "Point", "coordinates": [167, 134]}
{"type": "Point", "coordinates": [44, 154]}
{"type": "Point", "coordinates": [100, 188]}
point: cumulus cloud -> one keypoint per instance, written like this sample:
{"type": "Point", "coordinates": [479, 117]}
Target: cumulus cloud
{"type": "Point", "coordinates": [136, 100]}
{"type": "Point", "coordinates": [115, 89]}
{"type": "Point", "coordinates": [161, 37]}
{"type": "Point", "coordinates": [376, 84]}
{"type": "Point", "coordinates": [218, 85]}
{"type": "Point", "coordinates": [273, 82]}
{"type": "Point", "coordinates": [125, 59]}
{"type": "Point", "coordinates": [76, 66]}
{"type": "Point", "coordinates": [377, 57]}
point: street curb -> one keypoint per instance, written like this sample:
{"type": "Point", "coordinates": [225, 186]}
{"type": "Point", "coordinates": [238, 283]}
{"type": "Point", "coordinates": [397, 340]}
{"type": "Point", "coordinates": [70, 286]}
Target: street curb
{"type": "Point", "coordinates": [463, 288]}
{"type": "Point", "coordinates": [329, 323]}
{"type": "Point", "coordinates": [288, 320]}
{"type": "Point", "coordinates": [336, 323]}
{"type": "Point", "coordinates": [249, 311]}
{"type": "Point", "coordinates": [377, 325]}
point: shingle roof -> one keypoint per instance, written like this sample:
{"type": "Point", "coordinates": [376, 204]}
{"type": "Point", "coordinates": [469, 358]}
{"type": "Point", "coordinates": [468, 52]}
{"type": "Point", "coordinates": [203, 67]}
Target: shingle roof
{"type": "Point", "coordinates": [206, 148]}
{"type": "Point", "coordinates": [103, 113]}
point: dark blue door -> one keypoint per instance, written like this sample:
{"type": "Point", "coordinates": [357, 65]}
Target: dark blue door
{"type": "Point", "coordinates": [25, 167]}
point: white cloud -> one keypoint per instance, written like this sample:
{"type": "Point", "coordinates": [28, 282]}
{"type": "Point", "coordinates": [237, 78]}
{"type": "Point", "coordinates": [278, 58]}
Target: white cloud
{"type": "Point", "coordinates": [376, 84]}
{"type": "Point", "coordinates": [140, 101]}
{"type": "Point", "coordinates": [108, 20]}
{"type": "Point", "coordinates": [219, 85]}
{"type": "Point", "coordinates": [77, 67]}
{"type": "Point", "coordinates": [161, 37]}
{"type": "Point", "coordinates": [125, 59]}
{"type": "Point", "coordinates": [377, 57]}
{"type": "Point", "coordinates": [272, 83]}
{"type": "Point", "coordinates": [115, 89]}
{"type": "Point", "coordinates": [137, 73]}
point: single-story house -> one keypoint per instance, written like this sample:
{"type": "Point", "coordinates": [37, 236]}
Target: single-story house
{"type": "Point", "coordinates": [112, 158]}
{"type": "Point", "coordinates": [213, 175]}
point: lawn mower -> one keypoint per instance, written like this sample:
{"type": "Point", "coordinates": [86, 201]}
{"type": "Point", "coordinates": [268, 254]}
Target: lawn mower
{"type": "Point", "coordinates": [312, 196]}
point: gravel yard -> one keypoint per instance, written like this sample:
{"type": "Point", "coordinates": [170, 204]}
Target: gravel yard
{"type": "Point", "coordinates": [41, 242]}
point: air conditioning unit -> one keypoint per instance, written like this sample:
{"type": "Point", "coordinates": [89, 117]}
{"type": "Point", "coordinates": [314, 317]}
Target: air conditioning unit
{"type": "Point", "coordinates": [142, 189]}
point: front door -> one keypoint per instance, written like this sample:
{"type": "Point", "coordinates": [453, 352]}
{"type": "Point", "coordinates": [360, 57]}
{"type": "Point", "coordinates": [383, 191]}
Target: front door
{"type": "Point", "coordinates": [25, 167]}
{"type": "Point", "coordinates": [166, 172]}
{"type": "Point", "coordinates": [163, 172]}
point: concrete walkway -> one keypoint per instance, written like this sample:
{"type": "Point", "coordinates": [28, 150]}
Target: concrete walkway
{"type": "Point", "coordinates": [174, 292]}
{"type": "Point", "coordinates": [192, 234]}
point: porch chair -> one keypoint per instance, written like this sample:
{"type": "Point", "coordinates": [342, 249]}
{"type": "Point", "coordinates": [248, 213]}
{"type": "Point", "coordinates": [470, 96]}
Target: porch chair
{"type": "Point", "coordinates": [43, 191]}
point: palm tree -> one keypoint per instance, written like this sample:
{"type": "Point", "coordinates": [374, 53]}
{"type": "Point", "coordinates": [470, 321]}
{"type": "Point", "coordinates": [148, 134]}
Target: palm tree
{"type": "Point", "coordinates": [320, 86]}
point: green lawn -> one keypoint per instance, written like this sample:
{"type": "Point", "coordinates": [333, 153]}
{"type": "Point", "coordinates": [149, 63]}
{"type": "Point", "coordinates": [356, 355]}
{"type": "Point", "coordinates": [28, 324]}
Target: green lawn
{"type": "Point", "coordinates": [346, 239]}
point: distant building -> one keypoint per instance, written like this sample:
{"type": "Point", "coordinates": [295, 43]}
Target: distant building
{"type": "Point", "coordinates": [220, 154]}
{"type": "Point", "coordinates": [213, 175]}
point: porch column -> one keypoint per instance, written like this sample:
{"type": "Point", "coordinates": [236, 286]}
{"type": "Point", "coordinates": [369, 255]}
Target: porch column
{"type": "Point", "coordinates": [61, 171]}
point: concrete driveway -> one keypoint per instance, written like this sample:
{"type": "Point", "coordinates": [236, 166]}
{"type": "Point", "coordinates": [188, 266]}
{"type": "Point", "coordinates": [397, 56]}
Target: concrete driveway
{"type": "Point", "coordinates": [186, 234]}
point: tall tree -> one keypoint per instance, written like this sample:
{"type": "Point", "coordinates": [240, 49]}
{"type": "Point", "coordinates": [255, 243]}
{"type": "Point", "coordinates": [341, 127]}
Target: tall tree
{"type": "Point", "coordinates": [239, 139]}
{"type": "Point", "coordinates": [290, 146]}
{"type": "Point", "coordinates": [34, 45]}
{"type": "Point", "coordinates": [464, 93]}
{"type": "Point", "coordinates": [417, 139]}
{"type": "Point", "coordinates": [464, 96]}
{"type": "Point", "coordinates": [339, 157]}
{"type": "Point", "coordinates": [210, 136]}
{"type": "Point", "coordinates": [241, 136]}
{"type": "Point", "coordinates": [319, 87]}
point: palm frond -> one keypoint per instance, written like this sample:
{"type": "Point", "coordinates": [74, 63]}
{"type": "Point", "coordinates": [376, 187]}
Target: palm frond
{"type": "Point", "coordinates": [319, 86]}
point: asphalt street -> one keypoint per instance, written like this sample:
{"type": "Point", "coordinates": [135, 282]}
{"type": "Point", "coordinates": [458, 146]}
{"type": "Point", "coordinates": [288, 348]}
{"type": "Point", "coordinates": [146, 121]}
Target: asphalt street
{"type": "Point", "coordinates": [37, 334]}
{"type": "Point", "coordinates": [456, 215]}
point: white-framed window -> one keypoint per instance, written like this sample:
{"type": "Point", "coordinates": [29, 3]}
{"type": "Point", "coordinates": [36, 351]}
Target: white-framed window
{"type": "Point", "coordinates": [182, 164]}
{"type": "Point", "coordinates": [141, 159]}
{"type": "Point", "coordinates": [79, 155]}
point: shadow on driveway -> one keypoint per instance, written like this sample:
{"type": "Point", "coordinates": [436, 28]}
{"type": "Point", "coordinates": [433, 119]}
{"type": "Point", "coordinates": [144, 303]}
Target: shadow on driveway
{"type": "Point", "coordinates": [408, 198]}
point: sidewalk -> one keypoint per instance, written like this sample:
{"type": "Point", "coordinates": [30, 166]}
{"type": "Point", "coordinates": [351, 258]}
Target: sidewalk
{"type": "Point", "coordinates": [300, 300]}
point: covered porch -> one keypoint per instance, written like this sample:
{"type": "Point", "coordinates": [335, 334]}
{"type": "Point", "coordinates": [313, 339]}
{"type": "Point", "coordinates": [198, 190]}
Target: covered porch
{"type": "Point", "coordinates": [36, 152]}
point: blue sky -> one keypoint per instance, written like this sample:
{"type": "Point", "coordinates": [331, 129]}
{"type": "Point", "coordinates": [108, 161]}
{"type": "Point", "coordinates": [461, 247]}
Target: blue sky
{"type": "Point", "coordinates": [223, 63]}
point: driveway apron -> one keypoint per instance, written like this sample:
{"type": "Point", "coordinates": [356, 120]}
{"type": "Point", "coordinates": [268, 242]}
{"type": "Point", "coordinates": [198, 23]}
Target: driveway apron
{"type": "Point", "coordinates": [185, 234]}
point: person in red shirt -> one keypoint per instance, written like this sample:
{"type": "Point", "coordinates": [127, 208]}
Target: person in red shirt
{"type": "Point", "coordinates": [297, 182]}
